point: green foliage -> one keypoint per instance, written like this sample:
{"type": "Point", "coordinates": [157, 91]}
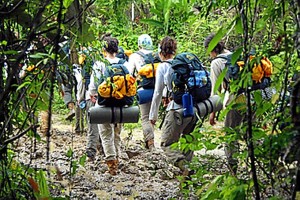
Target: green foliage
{"type": "Point", "coordinates": [20, 182]}
{"type": "Point", "coordinates": [265, 25]}
{"type": "Point", "coordinates": [75, 163]}
{"type": "Point", "coordinates": [224, 187]}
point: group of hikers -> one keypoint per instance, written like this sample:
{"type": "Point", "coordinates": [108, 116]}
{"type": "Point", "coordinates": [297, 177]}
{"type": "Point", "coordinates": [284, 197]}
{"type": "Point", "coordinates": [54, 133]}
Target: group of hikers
{"type": "Point", "coordinates": [166, 78]}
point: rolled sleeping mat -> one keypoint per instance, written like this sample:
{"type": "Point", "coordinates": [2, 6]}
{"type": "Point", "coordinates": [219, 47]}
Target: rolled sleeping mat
{"type": "Point", "coordinates": [212, 104]}
{"type": "Point", "coordinates": [103, 115]}
{"type": "Point", "coordinates": [144, 95]}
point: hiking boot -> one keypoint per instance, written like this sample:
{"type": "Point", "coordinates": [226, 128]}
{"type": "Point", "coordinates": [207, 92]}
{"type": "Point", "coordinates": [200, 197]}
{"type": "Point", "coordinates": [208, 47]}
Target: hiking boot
{"type": "Point", "coordinates": [91, 159]}
{"type": "Point", "coordinates": [71, 115]}
{"type": "Point", "coordinates": [181, 164]}
{"type": "Point", "coordinates": [150, 144]}
{"type": "Point", "coordinates": [112, 166]}
{"type": "Point", "coordinates": [91, 156]}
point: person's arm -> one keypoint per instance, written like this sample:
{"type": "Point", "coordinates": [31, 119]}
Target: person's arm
{"type": "Point", "coordinates": [157, 94]}
{"type": "Point", "coordinates": [215, 72]}
{"type": "Point", "coordinates": [132, 63]}
{"type": "Point", "coordinates": [167, 79]}
{"type": "Point", "coordinates": [98, 69]}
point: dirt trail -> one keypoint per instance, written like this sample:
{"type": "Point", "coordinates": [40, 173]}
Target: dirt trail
{"type": "Point", "coordinates": [146, 175]}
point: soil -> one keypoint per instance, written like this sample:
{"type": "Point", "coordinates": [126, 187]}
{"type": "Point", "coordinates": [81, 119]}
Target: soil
{"type": "Point", "coordinates": [143, 174]}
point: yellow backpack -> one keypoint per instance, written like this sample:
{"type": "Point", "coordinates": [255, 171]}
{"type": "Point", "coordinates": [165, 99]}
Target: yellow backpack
{"type": "Point", "coordinates": [118, 87]}
{"type": "Point", "coordinates": [260, 70]}
{"type": "Point", "coordinates": [148, 70]}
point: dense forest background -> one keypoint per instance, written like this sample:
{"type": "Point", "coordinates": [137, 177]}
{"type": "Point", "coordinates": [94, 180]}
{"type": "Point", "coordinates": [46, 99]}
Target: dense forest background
{"type": "Point", "coordinates": [34, 33]}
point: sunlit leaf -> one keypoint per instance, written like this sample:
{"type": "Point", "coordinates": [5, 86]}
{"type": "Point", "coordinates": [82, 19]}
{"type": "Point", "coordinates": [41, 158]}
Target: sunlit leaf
{"type": "Point", "coordinates": [213, 43]}
{"type": "Point", "coordinates": [152, 22]}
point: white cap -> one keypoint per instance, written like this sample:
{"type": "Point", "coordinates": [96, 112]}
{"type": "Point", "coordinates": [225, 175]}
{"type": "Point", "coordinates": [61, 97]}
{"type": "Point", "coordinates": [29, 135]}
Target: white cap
{"type": "Point", "coordinates": [145, 42]}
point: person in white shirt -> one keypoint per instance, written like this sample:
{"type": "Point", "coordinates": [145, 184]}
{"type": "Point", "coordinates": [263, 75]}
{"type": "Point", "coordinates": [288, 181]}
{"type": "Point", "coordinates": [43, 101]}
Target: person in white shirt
{"type": "Point", "coordinates": [233, 118]}
{"type": "Point", "coordinates": [171, 131]}
{"type": "Point", "coordinates": [136, 61]}
{"type": "Point", "coordinates": [80, 99]}
{"type": "Point", "coordinates": [109, 133]}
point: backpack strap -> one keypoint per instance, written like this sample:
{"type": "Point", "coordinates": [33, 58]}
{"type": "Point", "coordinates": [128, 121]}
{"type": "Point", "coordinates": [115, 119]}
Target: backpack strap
{"type": "Point", "coordinates": [144, 56]}
{"type": "Point", "coordinates": [221, 56]}
{"type": "Point", "coordinates": [167, 61]}
{"type": "Point", "coordinates": [121, 61]}
{"type": "Point", "coordinates": [141, 54]}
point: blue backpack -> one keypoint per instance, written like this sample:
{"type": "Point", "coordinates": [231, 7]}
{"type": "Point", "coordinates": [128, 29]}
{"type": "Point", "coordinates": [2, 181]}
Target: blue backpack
{"type": "Point", "coordinates": [191, 77]}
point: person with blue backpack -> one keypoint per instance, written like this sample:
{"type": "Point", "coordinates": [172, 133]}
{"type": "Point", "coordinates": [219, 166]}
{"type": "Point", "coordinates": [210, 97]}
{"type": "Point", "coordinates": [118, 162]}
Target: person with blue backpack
{"type": "Point", "coordinates": [146, 86]}
{"type": "Point", "coordinates": [110, 132]}
{"type": "Point", "coordinates": [174, 73]}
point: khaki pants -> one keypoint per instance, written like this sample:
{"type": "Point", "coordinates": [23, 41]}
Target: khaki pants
{"type": "Point", "coordinates": [232, 120]}
{"type": "Point", "coordinates": [93, 135]}
{"type": "Point", "coordinates": [148, 129]}
{"type": "Point", "coordinates": [172, 133]}
{"type": "Point", "coordinates": [111, 141]}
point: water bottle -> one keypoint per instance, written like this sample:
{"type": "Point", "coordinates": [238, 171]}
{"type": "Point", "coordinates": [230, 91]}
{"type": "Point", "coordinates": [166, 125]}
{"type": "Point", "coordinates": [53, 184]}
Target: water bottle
{"type": "Point", "coordinates": [187, 103]}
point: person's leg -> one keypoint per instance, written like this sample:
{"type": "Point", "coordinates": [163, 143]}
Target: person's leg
{"type": "Point", "coordinates": [171, 134]}
{"type": "Point", "coordinates": [118, 142]}
{"type": "Point", "coordinates": [67, 89]}
{"type": "Point", "coordinates": [79, 127]}
{"type": "Point", "coordinates": [232, 120]}
{"type": "Point", "coordinates": [93, 136]}
{"type": "Point", "coordinates": [108, 141]}
{"type": "Point", "coordinates": [148, 129]}
{"type": "Point", "coordinates": [117, 139]}
{"type": "Point", "coordinates": [107, 138]}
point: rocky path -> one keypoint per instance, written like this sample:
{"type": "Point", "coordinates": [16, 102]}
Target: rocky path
{"type": "Point", "coordinates": [144, 175]}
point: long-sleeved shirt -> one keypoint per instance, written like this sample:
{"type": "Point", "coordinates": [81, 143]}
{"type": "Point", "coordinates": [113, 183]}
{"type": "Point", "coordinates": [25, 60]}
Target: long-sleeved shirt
{"type": "Point", "coordinates": [217, 66]}
{"type": "Point", "coordinates": [162, 79]}
{"type": "Point", "coordinates": [168, 81]}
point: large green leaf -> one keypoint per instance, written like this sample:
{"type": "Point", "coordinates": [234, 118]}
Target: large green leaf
{"type": "Point", "coordinates": [152, 22]}
{"type": "Point", "coordinates": [218, 37]}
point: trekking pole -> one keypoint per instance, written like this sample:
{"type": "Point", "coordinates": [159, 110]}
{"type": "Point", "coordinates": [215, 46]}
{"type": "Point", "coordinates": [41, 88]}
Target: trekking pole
{"type": "Point", "coordinates": [164, 113]}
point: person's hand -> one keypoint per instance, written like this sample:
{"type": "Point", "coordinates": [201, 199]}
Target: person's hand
{"type": "Point", "coordinates": [212, 119]}
{"type": "Point", "coordinates": [165, 101]}
{"type": "Point", "coordinates": [93, 99]}
{"type": "Point", "coordinates": [152, 121]}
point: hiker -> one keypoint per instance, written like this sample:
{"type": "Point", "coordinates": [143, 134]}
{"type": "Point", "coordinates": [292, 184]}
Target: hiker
{"type": "Point", "coordinates": [171, 131]}
{"type": "Point", "coordinates": [109, 133]}
{"type": "Point", "coordinates": [167, 50]}
{"type": "Point", "coordinates": [233, 118]}
{"type": "Point", "coordinates": [93, 136]}
{"type": "Point", "coordinates": [136, 61]}
{"type": "Point", "coordinates": [74, 84]}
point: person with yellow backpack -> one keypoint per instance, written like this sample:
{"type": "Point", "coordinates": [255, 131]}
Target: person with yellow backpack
{"type": "Point", "coordinates": [109, 77]}
{"type": "Point", "coordinates": [261, 73]}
